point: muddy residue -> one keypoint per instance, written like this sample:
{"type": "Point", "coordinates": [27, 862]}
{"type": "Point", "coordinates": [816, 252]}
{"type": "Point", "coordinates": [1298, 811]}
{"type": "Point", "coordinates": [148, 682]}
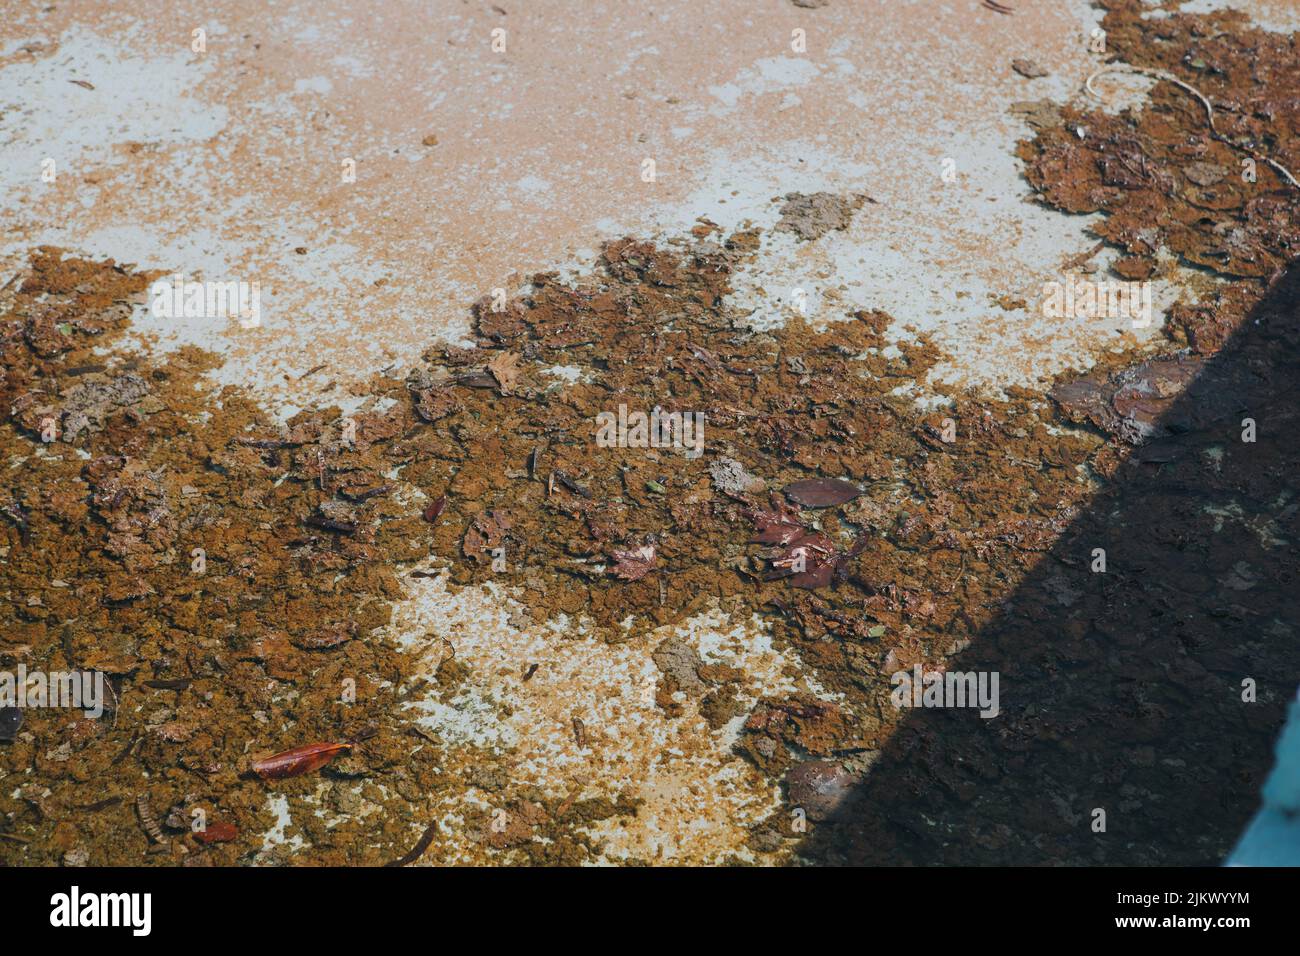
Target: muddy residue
{"type": "Point", "coordinates": [624, 452]}
{"type": "Point", "coordinates": [224, 576]}
{"type": "Point", "coordinates": [811, 216]}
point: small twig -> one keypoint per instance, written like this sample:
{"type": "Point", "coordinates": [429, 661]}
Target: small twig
{"type": "Point", "coordinates": [311, 371]}
{"type": "Point", "coordinates": [117, 701]}
{"type": "Point", "coordinates": [448, 657]}
{"type": "Point", "coordinates": [1209, 109]}
{"type": "Point", "coordinates": [418, 850]}
{"type": "Point", "coordinates": [125, 753]}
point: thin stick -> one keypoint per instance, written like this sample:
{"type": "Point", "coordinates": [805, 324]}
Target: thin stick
{"type": "Point", "coordinates": [419, 848]}
{"type": "Point", "coordinates": [1209, 109]}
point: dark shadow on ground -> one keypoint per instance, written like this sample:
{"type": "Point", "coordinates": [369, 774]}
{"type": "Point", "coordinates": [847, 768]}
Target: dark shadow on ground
{"type": "Point", "coordinates": [1123, 691]}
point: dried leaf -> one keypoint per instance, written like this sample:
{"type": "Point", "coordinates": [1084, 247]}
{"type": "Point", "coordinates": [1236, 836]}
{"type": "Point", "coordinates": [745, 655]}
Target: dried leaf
{"type": "Point", "coordinates": [299, 760]}
{"type": "Point", "coordinates": [822, 492]}
{"type": "Point", "coordinates": [487, 533]}
{"type": "Point", "coordinates": [217, 831]}
{"type": "Point", "coordinates": [809, 561]}
{"type": "Point", "coordinates": [505, 369]}
{"type": "Point", "coordinates": [634, 563]}
{"type": "Point", "coordinates": [434, 510]}
{"type": "Point", "coordinates": [775, 528]}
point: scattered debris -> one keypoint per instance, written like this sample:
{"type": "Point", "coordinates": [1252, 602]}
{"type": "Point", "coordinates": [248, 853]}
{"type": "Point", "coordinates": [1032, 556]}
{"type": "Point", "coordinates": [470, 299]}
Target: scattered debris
{"type": "Point", "coordinates": [731, 478]}
{"type": "Point", "coordinates": [1205, 102]}
{"type": "Point", "coordinates": [300, 528]}
{"type": "Point", "coordinates": [1029, 69]}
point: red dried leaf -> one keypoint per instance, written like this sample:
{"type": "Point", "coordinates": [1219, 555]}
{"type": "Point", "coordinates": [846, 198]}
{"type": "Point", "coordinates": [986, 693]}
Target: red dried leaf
{"type": "Point", "coordinates": [217, 831]}
{"type": "Point", "coordinates": [818, 575]}
{"type": "Point", "coordinates": [486, 533]}
{"type": "Point", "coordinates": [634, 563]}
{"type": "Point", "coordinates": [809, 560]}
{"type": "Point", "coordinates": [435, 510]}
{"type": "Point", "coordinates": [773, 528]}
{"type": "Point", "coordinates": [822, 492]}
{"type": "Point", "coordinates": [299, 760]}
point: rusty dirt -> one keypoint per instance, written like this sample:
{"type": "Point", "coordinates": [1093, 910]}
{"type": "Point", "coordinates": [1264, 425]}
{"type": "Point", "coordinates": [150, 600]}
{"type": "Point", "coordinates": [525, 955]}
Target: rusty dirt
{"type": "Point", "coordinates": [624, 452]}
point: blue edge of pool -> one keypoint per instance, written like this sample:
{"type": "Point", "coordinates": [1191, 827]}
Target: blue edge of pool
{"type": "Point", "coordinates": [1273, 837]}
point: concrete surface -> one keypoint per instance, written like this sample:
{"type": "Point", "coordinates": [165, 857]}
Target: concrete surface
{"type": "Point", "coordinates": [221, 164]}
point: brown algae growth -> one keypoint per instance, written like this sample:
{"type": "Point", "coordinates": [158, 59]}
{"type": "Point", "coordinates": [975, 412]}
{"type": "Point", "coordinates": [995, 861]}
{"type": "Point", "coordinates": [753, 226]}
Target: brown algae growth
{"type": "Point", "coordinates": [621, 453]}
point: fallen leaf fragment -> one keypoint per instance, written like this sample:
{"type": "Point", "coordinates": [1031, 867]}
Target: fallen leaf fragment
{"type": "Point", "coordinates": [296, 762]}
{"type": "Point", "coordinates": [822, 492]}
{"type": "Point", "coordinates": [773, 528]}
{"type": "Point", "coordinates": [217, 831]}
{"type": "Point", "coordinates": [634, 563]}
{"type": "Point", "coordinates": [505, 369]}
{"type": "Point", "coordinates": [433, 511]}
